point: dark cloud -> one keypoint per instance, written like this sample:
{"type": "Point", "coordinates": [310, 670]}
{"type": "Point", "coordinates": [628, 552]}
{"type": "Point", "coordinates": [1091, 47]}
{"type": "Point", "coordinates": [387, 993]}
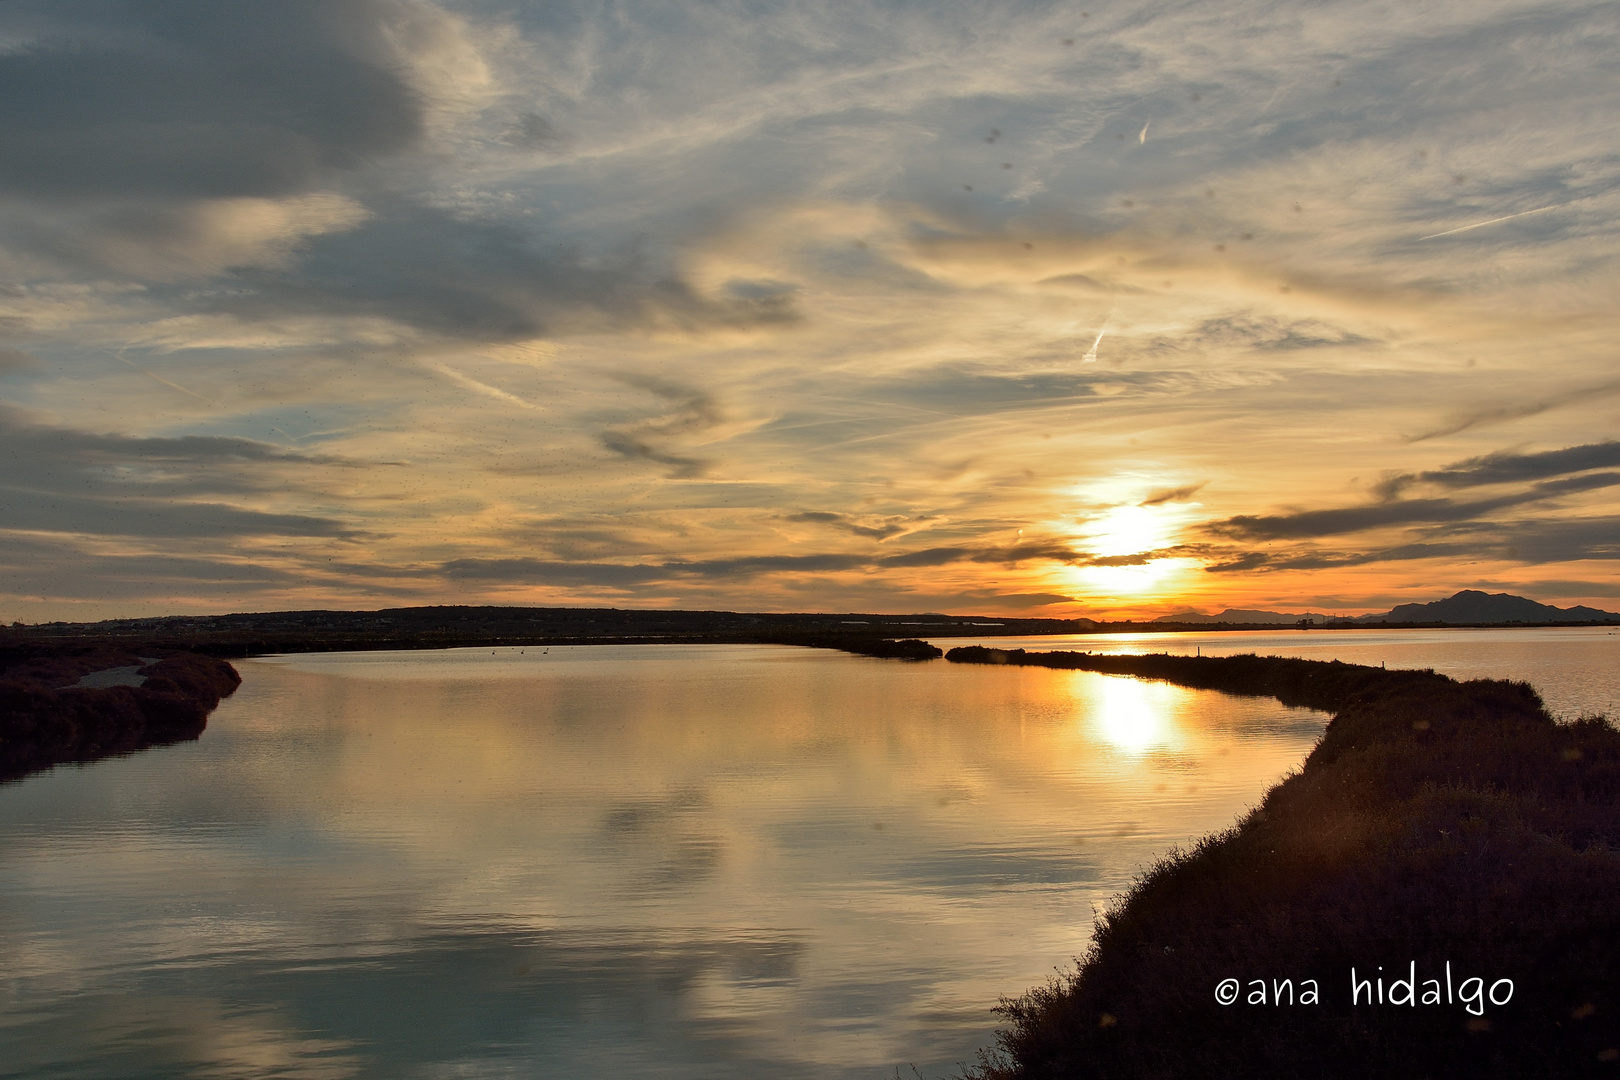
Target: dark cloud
{"type": "Point", "coordinates": [531, 131]}
{"type": "Point", "coordinates": [63, 480]}
{"type": "Point", "coordinates": [1550, 541]}
{"type": "Point", "coordinates": [622, 575]}
{"type": "Point", "coordinates": [1027, 600]}
{"type": "Point", "coordinates": [479, 279]}
{"type": "Point", "coordinates": [1553, 469]}
{"type": "Point", "coordinates": [891, 527]}
{"type": "Point", "coordinates": [695, 412]}
{"type": "Point", "coordinates": [1316, 523]}
{"type": "Point", "coordinates": [1231, 562]}
{"type": "Point", "coordinates": [197, 99]}
{"type": "Point", "coordinates": [46, 511]}
{"type": "Point", "coordinates": [1504, 468]}
{"type": "Point", "coordinates": [1565, 588]}
{"type": "Point", "coordinates": [1257, 332]}
{"type": "Point", "coordinates": [554, 572]}
{"type": "Point", "coordinates": [1514, 410]}
{"type": "Point", "coordinates": [1180, 494]}
{"type": "Point", "coordinates": [32, 565]}
{"type": "Point", "coordinates": [1535, 541]}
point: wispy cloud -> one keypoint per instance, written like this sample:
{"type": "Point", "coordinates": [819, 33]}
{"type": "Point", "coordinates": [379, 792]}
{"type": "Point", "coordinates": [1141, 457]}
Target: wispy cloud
{"type": "Point", "coordinates": [807, 304]}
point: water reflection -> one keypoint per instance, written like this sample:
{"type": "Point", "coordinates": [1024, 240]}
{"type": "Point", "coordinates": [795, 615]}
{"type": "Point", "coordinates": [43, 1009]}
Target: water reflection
{"type": "Point", "coordinates": [1576, 669]}
{"type": "Point", "coordinates": [1135, 716]}
{"type": "Point", "coordinates": [655, 861]}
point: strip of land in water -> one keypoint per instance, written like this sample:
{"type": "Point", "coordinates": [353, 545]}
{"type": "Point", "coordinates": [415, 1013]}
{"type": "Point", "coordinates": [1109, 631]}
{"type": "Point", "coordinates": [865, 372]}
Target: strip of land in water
{"type": "Point", "coordinates": [65, 703]}
{"type": "Point", "coordinates": [1447, 844]}
{"type": "Point", "coordinates": [445, 627]}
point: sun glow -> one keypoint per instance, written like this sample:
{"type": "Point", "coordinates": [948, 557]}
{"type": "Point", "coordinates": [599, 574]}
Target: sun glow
{"type": "Point", "coordinates": [1129, 530]}
{"type": "Point", "coordinates": [1122, 533]}
{"type": "Point", "coordinates": [1135, 716]}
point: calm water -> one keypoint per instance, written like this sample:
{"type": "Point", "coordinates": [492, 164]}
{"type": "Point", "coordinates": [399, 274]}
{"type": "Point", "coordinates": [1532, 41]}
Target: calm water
{"type": "Point", "coordinates": [1576, 669]}
{"type": "Point", "coordinates": [654, 861]}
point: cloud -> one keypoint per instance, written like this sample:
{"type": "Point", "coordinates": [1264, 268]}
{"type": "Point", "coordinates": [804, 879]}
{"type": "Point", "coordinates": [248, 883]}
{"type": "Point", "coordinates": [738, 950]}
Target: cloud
{"type": "Point", "coordinates": [1504, 467]}
{"type": "Point", "coordinates": [333, 216]}
{"type": "Point", "coordinates": [622, 575]}
{"type": "Point", "coordinates": [480, 279]}
{"type": "Point", "coordinates": [1536, 541]}
{"type": "Point", "coordinates": [186, 99]}
{"type": "Point", "coordinates": [695, 413]}
{"type": "Point", "coordinates": [37, 511]}
{"type": "Point", "coordinates": [1020, 601]}
{"type": "Point", "coordinates": [1516, 410]}
{"type": "Point", "coordinates": [742, 568]}
{"type": "Point", "coordinates": [1179, 494]}
{"type": "Point", "coordinates": [64, 480]}
{"type": "Point", "coordinates": [889, 528]}
{"type": "Point", "coordinates": [1317, 523]}
{"type": "Point", "coordinates": [1326, 560]}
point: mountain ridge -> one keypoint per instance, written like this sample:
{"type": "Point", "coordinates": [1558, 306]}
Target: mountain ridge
{"type": "Point", "coordinates": [1467, 606]}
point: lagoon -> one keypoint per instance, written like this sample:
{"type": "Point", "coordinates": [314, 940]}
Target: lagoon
{"type": "Point", "coordinates": [659, 861]}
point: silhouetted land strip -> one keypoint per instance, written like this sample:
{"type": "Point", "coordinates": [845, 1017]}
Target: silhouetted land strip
{"type": "Point", "coordinates": [1435, 822]}
{"type": "Point", "coordinates": [45, 721]}
{"type": "Point", "coordinates": [444, 627]}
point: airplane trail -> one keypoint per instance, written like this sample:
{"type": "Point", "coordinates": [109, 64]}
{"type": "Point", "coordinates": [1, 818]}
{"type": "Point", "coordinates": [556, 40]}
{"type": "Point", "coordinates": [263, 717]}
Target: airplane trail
{"type": "Point", "coordinates": [1091, 353]}
{"type": "Point", "coordinates": [1493, 221]}
{"type": "Point", "coordinates": [165, 382]}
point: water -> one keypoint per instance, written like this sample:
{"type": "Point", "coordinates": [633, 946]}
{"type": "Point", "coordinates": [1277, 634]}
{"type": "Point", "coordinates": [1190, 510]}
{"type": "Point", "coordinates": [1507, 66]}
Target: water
{"type": "Point", "coordinates": [1576, 669]}
{"type": "Point", "coordinates": [647, 861]}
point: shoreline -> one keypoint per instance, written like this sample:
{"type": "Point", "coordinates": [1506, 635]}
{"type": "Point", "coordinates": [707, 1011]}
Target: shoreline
{"type": "Point", "coordinates": [1437, 827]}
{"type": "Point", "coordinates": [239, 636]}
{"type": "Point", "coordinates": [52, 714]}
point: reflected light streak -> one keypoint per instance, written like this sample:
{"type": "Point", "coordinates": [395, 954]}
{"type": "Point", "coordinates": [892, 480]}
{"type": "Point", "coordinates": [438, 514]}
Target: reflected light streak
{"type": "Point", "coordinates": [1135, 716]}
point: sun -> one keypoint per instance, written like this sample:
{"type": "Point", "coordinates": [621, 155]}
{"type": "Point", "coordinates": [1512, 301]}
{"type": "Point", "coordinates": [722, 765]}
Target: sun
{"type": "Point", "coordinates": [1128, 530]}
{"type": "Point", "coordinates": [1123, 532]}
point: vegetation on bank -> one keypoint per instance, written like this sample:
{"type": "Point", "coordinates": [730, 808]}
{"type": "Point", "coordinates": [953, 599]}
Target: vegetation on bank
{"type": "Point", "coordinates": [45, 720]}
{"type": "Point", "coordinates": [1436, 823]}
{"type": "Point", "coordinates": [884, 648]}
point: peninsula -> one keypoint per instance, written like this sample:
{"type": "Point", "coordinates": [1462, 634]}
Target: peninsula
{"type": "Point", "coordinates": [1434, 894]}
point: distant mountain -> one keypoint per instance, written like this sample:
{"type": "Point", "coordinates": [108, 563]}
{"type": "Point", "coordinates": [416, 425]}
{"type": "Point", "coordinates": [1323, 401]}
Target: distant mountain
{"type": "Point", "coordinates": [1243, 615]}
{"type": "Point", "coordinates": [1468, 606]}
{"type": "Point", "coordinates": [1473, 606]}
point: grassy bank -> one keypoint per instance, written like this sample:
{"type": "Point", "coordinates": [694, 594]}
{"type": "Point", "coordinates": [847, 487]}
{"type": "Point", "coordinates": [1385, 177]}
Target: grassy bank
{"type": "Point", "coordinates": [45, 722]}
{"type": "Point", "coordinates": [1435, 823]}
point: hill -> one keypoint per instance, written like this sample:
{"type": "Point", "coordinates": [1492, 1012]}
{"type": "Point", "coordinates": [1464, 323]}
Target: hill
{"type": "Point", "coordinates": [1245, 615]}
{"type": "Point", "coordinates": [1473, 606]}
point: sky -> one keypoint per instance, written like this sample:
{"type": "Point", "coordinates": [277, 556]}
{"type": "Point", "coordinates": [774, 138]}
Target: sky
{"type": "Point", "coordinates": [1051, 309]}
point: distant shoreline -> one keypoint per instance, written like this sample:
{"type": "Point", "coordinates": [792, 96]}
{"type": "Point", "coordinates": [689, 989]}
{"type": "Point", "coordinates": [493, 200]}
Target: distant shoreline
{"type": "Point", "coordinates": [271, 633]}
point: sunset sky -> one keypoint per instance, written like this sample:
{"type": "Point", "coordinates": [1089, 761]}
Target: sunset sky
{"type": "Point", "coordinates": [1108, 309]}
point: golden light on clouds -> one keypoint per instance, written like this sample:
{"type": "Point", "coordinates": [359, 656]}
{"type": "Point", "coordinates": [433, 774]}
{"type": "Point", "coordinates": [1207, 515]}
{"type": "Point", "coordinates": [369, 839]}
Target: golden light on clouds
{"type": "Point", "coordinates": [514, 309]}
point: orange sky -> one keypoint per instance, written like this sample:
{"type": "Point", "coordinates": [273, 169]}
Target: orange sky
{"type": "Point", "coordinates": [840, 306]}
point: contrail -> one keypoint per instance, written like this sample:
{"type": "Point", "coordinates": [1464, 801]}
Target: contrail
{"type": "Point", "coordinates": [1091, 353]}
{"type": "Point", "coordinates": [165, 382]}
{"type": "Point", "coordinates": [1142, 138]}
{"type": "Point", "coordinates": [1493, 221]}
{"type": "Point", "coordinates": [484, 388]}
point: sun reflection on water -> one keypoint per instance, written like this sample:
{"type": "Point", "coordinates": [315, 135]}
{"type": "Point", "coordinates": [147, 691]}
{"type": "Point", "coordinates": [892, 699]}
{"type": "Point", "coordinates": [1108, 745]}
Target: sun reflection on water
{"type": "Point", "coordinates": [1137, 717]}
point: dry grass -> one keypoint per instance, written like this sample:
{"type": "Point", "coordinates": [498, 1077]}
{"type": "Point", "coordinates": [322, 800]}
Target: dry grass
{"type": "Point", "coordinates": [42, 725]}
